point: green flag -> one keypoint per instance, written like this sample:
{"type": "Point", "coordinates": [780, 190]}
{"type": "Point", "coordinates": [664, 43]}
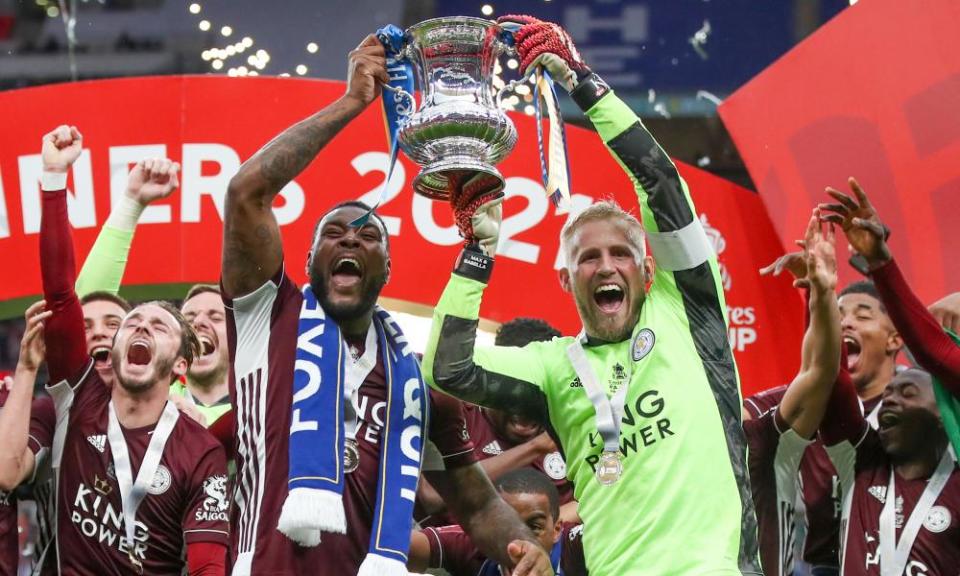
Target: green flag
{"type": "Point", "coordinates": [949, 407]}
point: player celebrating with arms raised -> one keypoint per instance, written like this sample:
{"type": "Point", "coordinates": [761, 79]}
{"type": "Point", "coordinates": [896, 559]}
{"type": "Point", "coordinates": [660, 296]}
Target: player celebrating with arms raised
{"type": "Point", "coordinates": [646, 401]}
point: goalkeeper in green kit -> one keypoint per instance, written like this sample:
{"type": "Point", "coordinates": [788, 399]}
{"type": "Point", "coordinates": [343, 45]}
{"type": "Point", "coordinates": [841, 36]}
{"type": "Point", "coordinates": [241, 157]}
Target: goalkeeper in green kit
{"type": "Point", "coordinates": [645, 402]}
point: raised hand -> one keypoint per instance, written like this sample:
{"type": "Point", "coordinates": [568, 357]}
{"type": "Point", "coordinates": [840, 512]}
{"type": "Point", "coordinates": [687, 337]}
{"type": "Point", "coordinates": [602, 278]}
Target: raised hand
{"type": "Point", "coordinates": [32, 347]}
{"type": "Point", "coordinates": [367, 71]}
{"type": "Point", "coordinates": [820, 254]}
{"type": "Point", "coordinates": [947, 312]}
{"type": "Point", "coordinates": [528, 558]}
{"type": "Point", "coordinates": [477, 200]}
{"type": "Point", "coordinates": [153, 179]}
{"type": "Point", "coordinates": [61, 148]}
{"type": "Point", "coordinates": [858, 219]}
{"type": "Point", "coordinates": [793, 262]}
{"type": "Point", "coordinates": [546, 44]}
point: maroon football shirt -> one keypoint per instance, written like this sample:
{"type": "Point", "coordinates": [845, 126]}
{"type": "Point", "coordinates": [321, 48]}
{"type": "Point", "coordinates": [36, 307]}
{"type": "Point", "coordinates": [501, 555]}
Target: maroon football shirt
{"type": "Point", "coordinates": [452, 550]}
{"type": "Point", "coordinates": [9, 545]}
{"type": "Point", "coordinates": [186, 503]}
{"type": "Point", "coordinates": [262, 333]}
{"type": "Point", "coordinates": [487, 445]}
{"type": "Point", "coordinates": [774, 457]}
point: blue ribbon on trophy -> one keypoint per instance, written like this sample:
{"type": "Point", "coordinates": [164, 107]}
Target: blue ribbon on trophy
{"type": "Point", "coordinates": [398, 101]}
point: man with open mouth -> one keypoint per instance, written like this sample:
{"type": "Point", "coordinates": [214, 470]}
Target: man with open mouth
{"type": "Point", "coordinates": [306, 468]}
{"type": "Point", "coordinates": [645, 401]}
{"type": "Point", "coordinates": [137, 484]}
{"type": "Point", "coordinates": [206, 387]}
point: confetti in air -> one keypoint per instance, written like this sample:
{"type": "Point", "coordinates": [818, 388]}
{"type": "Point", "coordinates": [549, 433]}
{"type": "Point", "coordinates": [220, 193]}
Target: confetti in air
{"type": "Point", "coordinates": [703, 161]}
{"type": "Point", "coordinates": [651, 95]}
{"type": "Point", "coordinates": [709, 96]}
{"type": "Point", "coordinates": [661, 109]}
{"type": "Point", "coordinates": [699, 39]}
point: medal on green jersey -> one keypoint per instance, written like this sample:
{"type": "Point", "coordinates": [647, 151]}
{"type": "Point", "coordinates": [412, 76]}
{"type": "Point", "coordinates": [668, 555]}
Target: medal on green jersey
{"type": "Point", "coordinates": [608, 413]}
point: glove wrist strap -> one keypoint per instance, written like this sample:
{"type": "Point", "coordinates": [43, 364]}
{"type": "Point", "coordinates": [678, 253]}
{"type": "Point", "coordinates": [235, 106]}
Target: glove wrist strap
{"type": "Point", "coordinates": [474, 264]}
{"type": "Point", "coordinates": [589, 91]}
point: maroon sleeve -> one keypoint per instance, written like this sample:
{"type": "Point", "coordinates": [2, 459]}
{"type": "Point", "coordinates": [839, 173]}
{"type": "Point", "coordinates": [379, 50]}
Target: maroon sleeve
{"type": "Point", "coordinates": [43, 422]}
{"type": "Point", "coordinates": [933, 349]}
{"type": "Point", "coordinates": [448, 430]}
{"type": "Point", "coordinates": [843, 420]}
{"type": "Point", "coordinates": [206, 559]}
{"type": "Point", "coordinates": [452, 550]}
{"type": "Point", "coordinates": [223, 429]}
{"type": "Point", "coordinates": [572, 561]}
{"type": "Point", "coordinates": [207, 517]}
{"type": "Point", "coordinates": [64, 330]}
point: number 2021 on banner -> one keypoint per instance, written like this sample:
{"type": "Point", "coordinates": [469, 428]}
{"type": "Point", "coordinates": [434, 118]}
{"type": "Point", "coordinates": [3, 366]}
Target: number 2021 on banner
{"type": "Point", "coordinates": [536, 209]}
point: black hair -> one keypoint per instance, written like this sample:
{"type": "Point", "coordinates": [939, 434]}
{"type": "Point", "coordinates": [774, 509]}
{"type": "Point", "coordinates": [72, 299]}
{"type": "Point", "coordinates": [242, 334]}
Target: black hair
{"type": "Point", "coordinates": [355, 204]}
{"type": "Point", "coordinates": [530, 481]}
{"type": "Point", "coordinates": [103, 295]}
{"type": "Point", "coordinates": [864, 287]}
{"type": "Point", "coordinates": [522, 331]}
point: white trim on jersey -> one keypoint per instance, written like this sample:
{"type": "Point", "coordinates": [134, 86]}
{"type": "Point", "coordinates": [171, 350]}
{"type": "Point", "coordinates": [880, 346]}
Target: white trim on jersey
{"type": "Point", "coordinates": [252, 316]}
{"type": "Point", "coordinates": [786, 466]}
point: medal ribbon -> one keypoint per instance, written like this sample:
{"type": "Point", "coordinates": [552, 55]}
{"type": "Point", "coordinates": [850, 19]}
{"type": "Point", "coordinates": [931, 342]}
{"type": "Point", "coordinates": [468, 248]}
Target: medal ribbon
{"type": "Point", "coordinates": [133, 492]}
{"type": "Point", "coordinates": [555, 173]}
{"type": "Point", "coordinates": [356, 372]}
{"type": "Point", "coordinates": [609, 411]}
{"type": "Point", "coordinates": [894, 557]}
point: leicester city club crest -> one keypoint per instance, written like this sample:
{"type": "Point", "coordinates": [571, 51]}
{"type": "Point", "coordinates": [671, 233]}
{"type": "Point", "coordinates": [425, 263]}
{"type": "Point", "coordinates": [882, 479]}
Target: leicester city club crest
{"type": "Point", "coordinates": [643, 343]}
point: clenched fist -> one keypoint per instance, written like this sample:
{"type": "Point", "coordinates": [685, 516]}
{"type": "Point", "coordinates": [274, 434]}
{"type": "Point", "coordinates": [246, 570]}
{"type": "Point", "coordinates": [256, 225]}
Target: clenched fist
{"type": "Point", "coordinates": [153, 179]}
{"type": "Point", "coordinates": [367, 70]}
{"type": "Point", "coordinates": [61, 148]}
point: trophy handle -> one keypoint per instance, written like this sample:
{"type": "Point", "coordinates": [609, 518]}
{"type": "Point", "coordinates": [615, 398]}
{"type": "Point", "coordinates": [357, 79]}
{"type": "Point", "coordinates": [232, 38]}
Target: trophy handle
{"type": "Point", "coordinates": [409, 104]}
{"type": "Point", "coordinates": [509, 87]}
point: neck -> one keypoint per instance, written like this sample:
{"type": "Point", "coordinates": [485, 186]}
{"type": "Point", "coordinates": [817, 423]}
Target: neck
{"type": "Point", "coordinates": [140, 408]}
{"type": "Point", "coordinates": [922, 463]}
{"type": "Point", "coordinates": [356, 327]}
{"type": "Point", "coordinates": [875, 386]}
{"type": "Point", "coordinates": [209, 389]}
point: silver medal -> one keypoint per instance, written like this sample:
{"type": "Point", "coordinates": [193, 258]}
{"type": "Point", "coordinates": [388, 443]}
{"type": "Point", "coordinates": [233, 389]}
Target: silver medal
{"type": "Point", "coordinates": [609, 468]}
{"type": "Point", "coordinates": [351, 455]}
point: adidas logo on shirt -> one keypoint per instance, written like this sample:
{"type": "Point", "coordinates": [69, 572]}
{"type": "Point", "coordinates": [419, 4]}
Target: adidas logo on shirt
{"type": "Point", "coordinates": [576, 383]}
{"type": "Point", "coordinates": [98, 441]}
{"type": "Point", "coordinates": [492, 448]}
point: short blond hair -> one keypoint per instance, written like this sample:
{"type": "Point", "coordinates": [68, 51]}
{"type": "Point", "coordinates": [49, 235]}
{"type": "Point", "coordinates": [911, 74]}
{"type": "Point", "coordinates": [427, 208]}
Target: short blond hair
{"type": "Point", "coordinates": [603, 210]}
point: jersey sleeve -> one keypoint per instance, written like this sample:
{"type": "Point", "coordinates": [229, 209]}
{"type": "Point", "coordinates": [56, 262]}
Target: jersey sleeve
{"type": "Point", "coordinates": [452, 550]}
{"type": "Point", "coordinates": [933, 349]}
{"type": "Point", "coordinates": [498, 377]}
{"type": "Point", "coordinates": [448, 431]}
{"type": "Point", "coordinates": [106, 262]}
{"type": "Point", "coordinates": [64, 330]}
{"type": "Point", "coordinates": [207, 516]}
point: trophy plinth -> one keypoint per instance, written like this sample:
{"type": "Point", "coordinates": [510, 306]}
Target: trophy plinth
{"type": "Point", "coordinates": [458, 125]}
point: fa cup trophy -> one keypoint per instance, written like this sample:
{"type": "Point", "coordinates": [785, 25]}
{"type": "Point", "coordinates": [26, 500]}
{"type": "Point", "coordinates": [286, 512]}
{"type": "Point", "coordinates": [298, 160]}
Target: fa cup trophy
{"type": "Point", "coordinates": [459, 125]}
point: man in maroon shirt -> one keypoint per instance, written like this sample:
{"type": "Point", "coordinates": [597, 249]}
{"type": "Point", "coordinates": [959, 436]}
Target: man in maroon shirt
{"type": "Point", "coordinates": [348, 266]}
{"type": "Point", "coordinates": [136, 483]}
{"type": "Point", "coordinates": [929, 344]}
{"type": "Point", "coordinates": [777, 426]}
{"type": "Point", "coordinates": [537, 502]}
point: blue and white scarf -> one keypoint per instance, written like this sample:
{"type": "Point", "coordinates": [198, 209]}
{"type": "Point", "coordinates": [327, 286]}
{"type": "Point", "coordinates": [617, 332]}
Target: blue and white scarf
{"type": "Point", "coordinates": [317, 433]}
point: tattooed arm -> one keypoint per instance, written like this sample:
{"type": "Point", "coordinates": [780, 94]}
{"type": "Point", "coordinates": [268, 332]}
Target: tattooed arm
{"type": "Point", "coordinates": [252, 250]}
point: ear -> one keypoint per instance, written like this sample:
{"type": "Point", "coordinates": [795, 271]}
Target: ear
{"type": "Point", "coordinates": [894, 343]}
{"type": "Point", "coordinates": [648, 268]}
{"type": "Point", "coordinates": [179, 367]}
{"type": "Point", "coordinates": [564, 276]}
{"type": "Point", "coordinates": [557, 531]}
{"type": "Point", "coordinates": [389, 267]}
{"type": "Point", "coordinates": [306, 268]}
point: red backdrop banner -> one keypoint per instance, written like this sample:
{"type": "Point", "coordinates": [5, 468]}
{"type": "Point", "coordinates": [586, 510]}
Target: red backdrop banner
{"type": "Point", "coordinates": [209, 124]}
{"type": "Point", "coordinates": [874, 94]}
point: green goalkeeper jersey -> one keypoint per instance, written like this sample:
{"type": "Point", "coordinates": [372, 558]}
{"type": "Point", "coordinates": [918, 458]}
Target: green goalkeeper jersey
{"type": "Point", "coordinates": [683, 504]}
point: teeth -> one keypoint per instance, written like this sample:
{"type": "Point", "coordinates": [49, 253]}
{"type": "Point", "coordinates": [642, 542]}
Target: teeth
{"type": "Point", "coordinates": [353, 261]}
{"type": "Point", "coordinates": [607, 288]}
{"type": "Point", "coordinates": [849, 340]}
{"type": "Point", "coordinates": [206, 345]}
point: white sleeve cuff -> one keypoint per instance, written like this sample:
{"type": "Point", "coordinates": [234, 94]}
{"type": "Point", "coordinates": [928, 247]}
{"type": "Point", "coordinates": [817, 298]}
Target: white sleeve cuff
{"type": "Point", "coordinates": [125, 214]}
{"type": "Point", "coordinates": [681, 249]}
{"type": "Point", "coordinates": [52, 181]}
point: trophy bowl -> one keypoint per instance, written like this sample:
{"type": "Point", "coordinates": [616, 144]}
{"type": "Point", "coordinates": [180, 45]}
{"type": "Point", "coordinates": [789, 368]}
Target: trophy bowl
{"type": "Point", "coordinates": [459, 126]}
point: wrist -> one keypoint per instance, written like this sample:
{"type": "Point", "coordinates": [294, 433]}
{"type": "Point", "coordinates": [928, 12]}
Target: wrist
{"type": "Point", "coordinates": [879, 261]}
{"type": "Point", "coordinates": [589, 90]}
{"type": "Point", "coordinates": [353, 104]}
{"type": "Point", "coordinates": [125, 213]}
{"type": "Point", "coordinates": [474, 264]}
{"type": "Point", "coordinates": [56, 168]}
{"type": "Point", "coordinates": [51, 181]}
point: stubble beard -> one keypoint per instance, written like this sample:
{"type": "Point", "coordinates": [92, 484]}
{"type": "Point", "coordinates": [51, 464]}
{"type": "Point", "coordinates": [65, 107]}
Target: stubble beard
{"type": "Point", "coordinates": [339, 312]}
